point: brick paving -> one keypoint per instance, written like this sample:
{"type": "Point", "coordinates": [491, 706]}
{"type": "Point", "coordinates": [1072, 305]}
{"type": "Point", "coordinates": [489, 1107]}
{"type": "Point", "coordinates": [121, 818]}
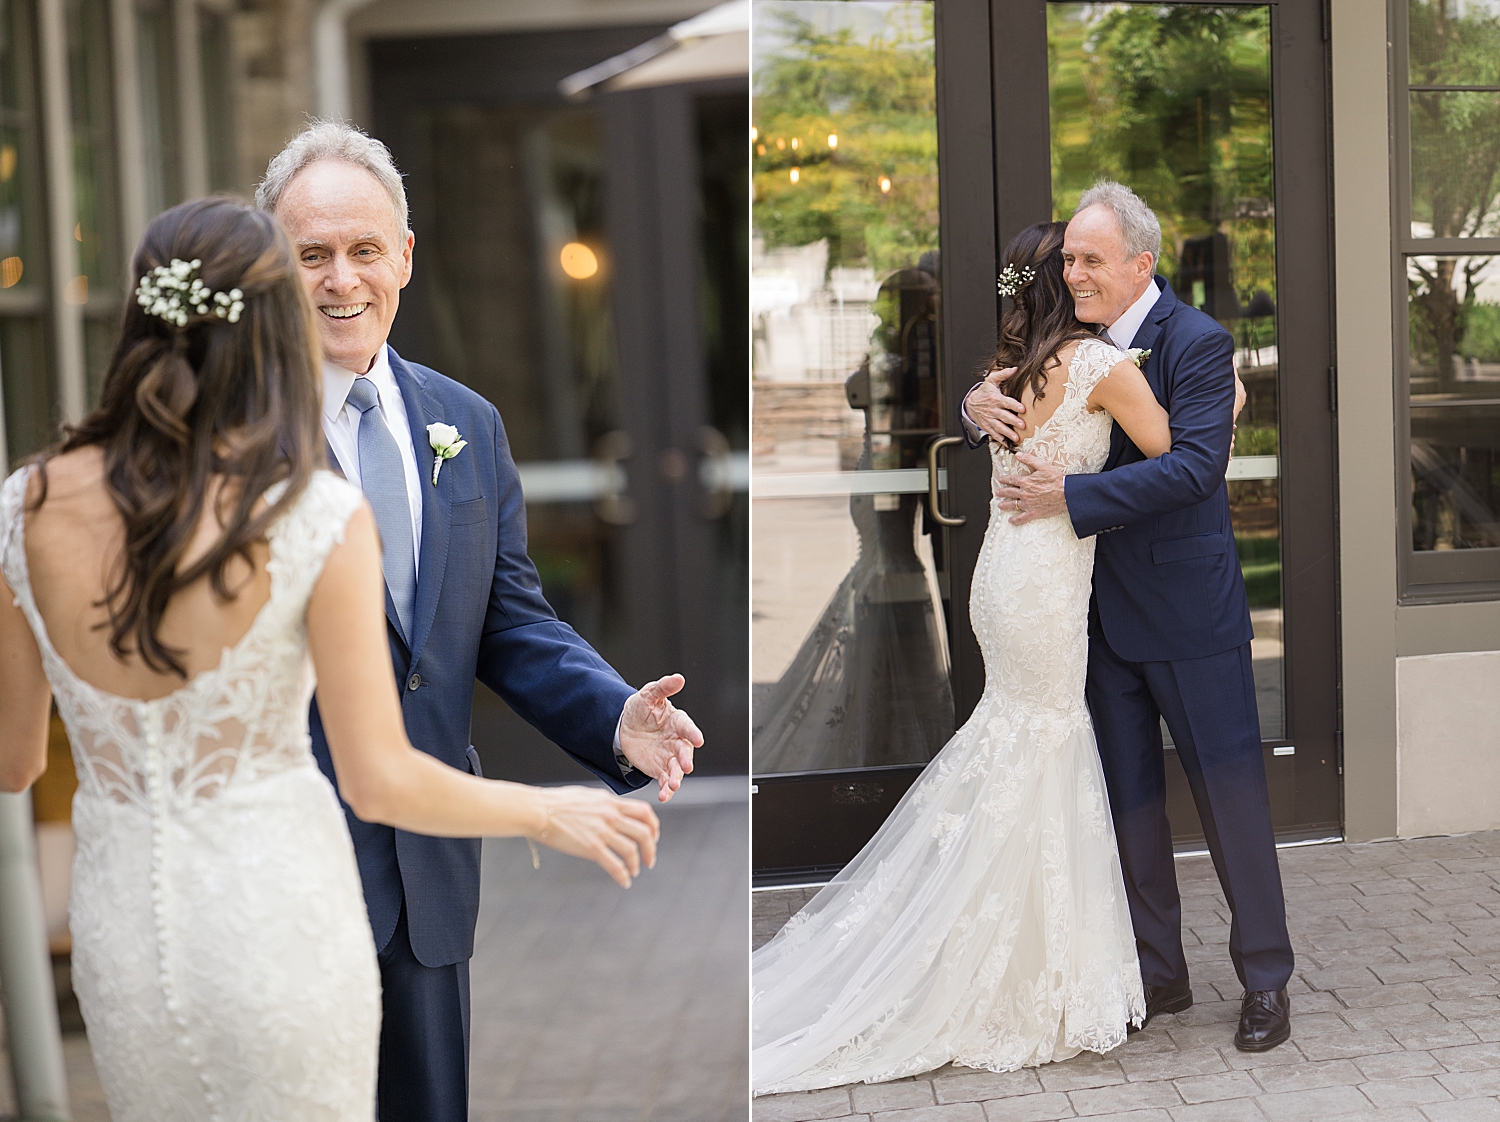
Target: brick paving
{"type": "Point", "coordinates": [591, 1004]}
{"type": "Point", "coordinates": [1395, 1010]}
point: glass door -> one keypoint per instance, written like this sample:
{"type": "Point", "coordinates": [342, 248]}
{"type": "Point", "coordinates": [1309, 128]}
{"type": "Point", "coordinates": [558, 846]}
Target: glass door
{"type": "Point", "coordinates": [849, 659]}
{"type": "Point", "coordinates": [1213, 113]}
{"type": "Point", "coordinates": [1187, 104]}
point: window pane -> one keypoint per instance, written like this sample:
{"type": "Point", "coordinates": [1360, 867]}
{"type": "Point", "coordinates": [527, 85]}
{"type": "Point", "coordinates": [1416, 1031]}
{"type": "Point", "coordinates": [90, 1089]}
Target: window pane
{"type": "Point", "coordinates": [1454, 42]}
{"type": "Point", "coordinates": [216, 60]}
{"type": "Point", "coordinates": [155, 66]}
{"type": "Point", "coordinates": [849, 647]}
{"type": "Point", "coordinates": [21, 262]}
{"type": "Point", "coordinates": [31, 411]}
{"type": "Point", "coordinates": [93, 149]}
{"type": "Point", "coordinates": [1454, 307]}
{"type": "Point", "coordinates": [1175, 102]}
{"type": "Point", "coordinates": [1455, 165]}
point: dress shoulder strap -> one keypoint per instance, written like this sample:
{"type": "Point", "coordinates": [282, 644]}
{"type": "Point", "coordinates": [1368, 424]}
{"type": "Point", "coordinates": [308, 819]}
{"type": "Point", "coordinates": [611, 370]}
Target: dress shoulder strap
{"type": "Point", "coordinates": [303, 537]}
{"type": "Point", "coordinates": [12, 544]}
{"type": "Point", "coordinates": [1094, 359]}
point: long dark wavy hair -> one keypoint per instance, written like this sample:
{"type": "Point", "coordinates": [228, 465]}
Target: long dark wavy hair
{"type": "Point", "coordinates": [181, 405]}
{"type": "Point", "coordinates": [1039, 321]}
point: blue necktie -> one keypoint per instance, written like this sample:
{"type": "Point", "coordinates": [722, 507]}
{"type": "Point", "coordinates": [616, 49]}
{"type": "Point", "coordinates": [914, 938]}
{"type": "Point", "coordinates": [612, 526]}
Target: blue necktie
{"type": "Point", "coordinates": [383, 480]}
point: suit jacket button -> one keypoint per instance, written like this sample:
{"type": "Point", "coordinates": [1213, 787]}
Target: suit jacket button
{"type": "Point", "coordinates": [414, 681]}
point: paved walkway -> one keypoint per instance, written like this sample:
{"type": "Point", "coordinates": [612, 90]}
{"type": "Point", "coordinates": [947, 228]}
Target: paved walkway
{"type": "Point", "coordinates": [1395, 1010]}
{"type": "Point", "coordinates": [591, 1004]}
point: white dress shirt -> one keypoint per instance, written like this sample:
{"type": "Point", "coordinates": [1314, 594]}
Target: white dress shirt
{"type": "Point", "coordinates": [1122, 332]}
{"type": "Point", "coordinates": [341, 426]}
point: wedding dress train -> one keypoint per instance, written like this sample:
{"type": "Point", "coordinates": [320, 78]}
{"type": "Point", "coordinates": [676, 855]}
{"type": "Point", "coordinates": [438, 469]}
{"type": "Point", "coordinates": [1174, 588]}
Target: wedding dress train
{"type": "Point", "coordinates": [985, 924]}
{"type": "Point", "coordinates": [221, 952]}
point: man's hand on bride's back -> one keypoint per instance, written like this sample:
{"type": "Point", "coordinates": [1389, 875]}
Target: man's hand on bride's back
{"type": "Point", "coordinates": [657, 737]}
{"type": "Point", "coordinates": [995, 413]}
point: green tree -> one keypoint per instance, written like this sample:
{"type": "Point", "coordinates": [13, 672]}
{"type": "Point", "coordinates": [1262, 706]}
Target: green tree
{"type": "Point", "coordinates": [1455, 167]}
{"type": "Point", "coordinates": [1175, 102]}
{"type": "Point", "coordinates": [872, 193]}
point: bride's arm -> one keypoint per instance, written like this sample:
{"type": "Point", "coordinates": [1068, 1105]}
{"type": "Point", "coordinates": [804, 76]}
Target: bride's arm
{"type": "Point", "coordinates": [384, 779]}
{"type": "Point", "coordinates": [26, 701]}
{"type": "Point", "coordinates": [1125, 393]}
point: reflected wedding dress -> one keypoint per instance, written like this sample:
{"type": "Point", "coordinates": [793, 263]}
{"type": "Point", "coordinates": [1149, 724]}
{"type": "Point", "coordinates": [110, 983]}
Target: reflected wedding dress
{"type": "Point", "coordinates": [985, 924]}
{"type": "Point", "coordinates": [221, 951]}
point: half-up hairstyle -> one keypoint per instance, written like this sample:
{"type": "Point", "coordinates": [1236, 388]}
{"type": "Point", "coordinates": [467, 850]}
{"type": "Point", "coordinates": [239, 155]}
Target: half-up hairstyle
{"type": "Point", "coordinates": [1039, 320]}
{"type": "Point", "coordinates": [180, 405]}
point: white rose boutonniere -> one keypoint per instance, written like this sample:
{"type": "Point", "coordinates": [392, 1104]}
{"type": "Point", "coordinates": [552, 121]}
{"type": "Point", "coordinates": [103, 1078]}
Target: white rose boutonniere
{"type": "Point", "coordinates": [1138, 356]}
{"type": "Point", "coordinates": [446, 443]}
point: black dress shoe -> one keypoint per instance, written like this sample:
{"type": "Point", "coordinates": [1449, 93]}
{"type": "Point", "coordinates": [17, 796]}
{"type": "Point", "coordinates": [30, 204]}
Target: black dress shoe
{"type": "Point", "coordinates": [1265, 1021]}
{"type": "Point", "coordinates": [1165, 999]}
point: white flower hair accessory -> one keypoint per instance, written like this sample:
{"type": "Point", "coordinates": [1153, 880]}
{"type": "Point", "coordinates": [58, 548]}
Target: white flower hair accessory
{"type": "Point", "coordinates": [1011, 281]}
{"type": "Point", "coordinates": [446, 443]}
{"type": "Point", "coordinates": [175, 292]}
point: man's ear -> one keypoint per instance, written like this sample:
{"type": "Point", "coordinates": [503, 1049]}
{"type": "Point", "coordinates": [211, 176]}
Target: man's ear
{"type": "Point", "coordinates": [406, 251]}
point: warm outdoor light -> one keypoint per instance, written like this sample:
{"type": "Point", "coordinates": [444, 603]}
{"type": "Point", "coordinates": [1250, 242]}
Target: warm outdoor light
{"type": "Point", "coordinates": [754, 133]}
{"type": "Point", "coordinates": [578, 261]}
{"type": "Point", "coordinates": [10, 271]}
{"type": "Point", "coordinates": [833, 140]}
{"type": "Point", "coordinates": [760, 149]}
{"type": "Point", "coordinates": [7, 162]}
{"type": "Point", "coordinates": [78, 231]}
{"type": "Point", "coordinates": [885, 184]}
{"type": "Point", "coordinates": [780, 143]}
{"type": "Point", "coordinates": [796, 174]}
{"type": "Point", "coordinates": [796, 144]}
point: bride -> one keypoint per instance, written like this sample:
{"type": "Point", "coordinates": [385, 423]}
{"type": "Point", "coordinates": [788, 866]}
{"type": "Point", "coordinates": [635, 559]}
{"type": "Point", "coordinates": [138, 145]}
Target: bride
{"type": "Point", "coordinates": [180, 572]}
{"type": "Point", "coordinates": [986, 924]}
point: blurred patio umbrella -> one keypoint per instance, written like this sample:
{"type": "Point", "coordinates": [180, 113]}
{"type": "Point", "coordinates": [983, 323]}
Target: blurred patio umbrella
{"type": "Point", "coordinates": [714, 44]}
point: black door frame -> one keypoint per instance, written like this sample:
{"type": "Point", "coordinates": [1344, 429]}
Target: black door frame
{"type": "Point", "coordinates": [994, 178]}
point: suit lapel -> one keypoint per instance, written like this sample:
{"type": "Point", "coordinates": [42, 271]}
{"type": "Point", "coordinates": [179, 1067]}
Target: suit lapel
{"type": "Point", "coordinates": [1145, 339]}
{"type": "Point", "coordinates": [422, 409]}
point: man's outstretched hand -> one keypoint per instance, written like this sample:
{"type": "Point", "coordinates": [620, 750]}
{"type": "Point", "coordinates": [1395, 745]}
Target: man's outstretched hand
{"type": "Point", "coordinates": [657, 737]}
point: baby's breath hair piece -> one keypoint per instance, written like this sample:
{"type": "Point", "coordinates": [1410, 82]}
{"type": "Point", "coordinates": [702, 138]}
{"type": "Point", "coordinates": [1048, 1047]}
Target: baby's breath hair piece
{"type": "Point", "coordinates": [175, 292]}
{"type": "Point", "coordinates": [1011, 282]}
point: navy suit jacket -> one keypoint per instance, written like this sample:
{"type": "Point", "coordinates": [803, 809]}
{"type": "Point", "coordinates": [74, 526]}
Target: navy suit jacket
{"type": "Point", "coordinates": [479, 613]}
{"type": "Point", "coordinates": [1167, 581]}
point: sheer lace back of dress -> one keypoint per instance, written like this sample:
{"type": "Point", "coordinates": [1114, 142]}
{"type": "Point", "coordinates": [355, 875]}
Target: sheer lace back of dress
{"type": "Point", "coordinates": [242, 720]}
{"type": "Point", "coordinates": [1072, 438]}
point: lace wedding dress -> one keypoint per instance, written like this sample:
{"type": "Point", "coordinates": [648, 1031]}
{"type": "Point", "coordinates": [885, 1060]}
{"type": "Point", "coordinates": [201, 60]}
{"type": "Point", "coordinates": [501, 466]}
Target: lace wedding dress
{"type": "Point", "coordinates": [221, 951]}
{"type": "Point", "coordinates": [985, 924]}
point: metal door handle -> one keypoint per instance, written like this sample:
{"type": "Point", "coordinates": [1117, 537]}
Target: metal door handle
{"type": "Point", "coordinates": [610, 452]}
{"type": "Point", "coordinates": [713, 475]}
{"type": "Point", "coordinates": [932, 481]}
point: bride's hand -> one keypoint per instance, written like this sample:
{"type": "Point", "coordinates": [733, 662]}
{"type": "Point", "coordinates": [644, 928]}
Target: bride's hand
{"type": "Point", "coordinates": [615, 833]}
{"type": "Point", "coordinates": [1239, 397]}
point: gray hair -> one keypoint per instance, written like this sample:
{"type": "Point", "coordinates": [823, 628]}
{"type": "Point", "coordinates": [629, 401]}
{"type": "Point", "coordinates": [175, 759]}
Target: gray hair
{"type": "Point", "coordinates": [332, 140]}
{"type": "Point", "coordinates": [1138, 224]}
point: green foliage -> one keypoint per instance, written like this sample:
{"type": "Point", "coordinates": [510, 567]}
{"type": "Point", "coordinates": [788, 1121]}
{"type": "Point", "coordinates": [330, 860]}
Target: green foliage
{"type": "Point", "coordinates": [872, 84]}
{"type": "Point", "coordinates": [1257, 440]}
{"type": "Point", "coordinates": [1455, 135]}
{"type": "Point", "coordinates": [1175, 102]}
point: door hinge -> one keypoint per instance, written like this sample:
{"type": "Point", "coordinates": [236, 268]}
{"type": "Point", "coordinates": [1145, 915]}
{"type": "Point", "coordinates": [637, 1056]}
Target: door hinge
{"type": "Point", "coordinates": [1333, 389]}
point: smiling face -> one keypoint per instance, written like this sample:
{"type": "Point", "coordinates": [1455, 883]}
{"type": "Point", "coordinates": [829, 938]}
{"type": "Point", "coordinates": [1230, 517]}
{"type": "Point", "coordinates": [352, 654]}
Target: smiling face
{"type": "Point", "coordinates": [1104, 280]}
{"type": "Point", "coordinates": [355, 259]}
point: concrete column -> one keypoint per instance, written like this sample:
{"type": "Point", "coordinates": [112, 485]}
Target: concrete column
{"type": "Point", "coordinates": [26, 986]}
{"type": "Point", "coordinates": [67, 292]}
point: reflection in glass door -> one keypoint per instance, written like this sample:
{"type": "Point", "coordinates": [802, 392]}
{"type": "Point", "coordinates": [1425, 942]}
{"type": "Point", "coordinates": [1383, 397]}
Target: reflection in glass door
{"type": "Point", "coordinates": [850, 651]}
{"type": "Point", "coordinates": [1175, 102]}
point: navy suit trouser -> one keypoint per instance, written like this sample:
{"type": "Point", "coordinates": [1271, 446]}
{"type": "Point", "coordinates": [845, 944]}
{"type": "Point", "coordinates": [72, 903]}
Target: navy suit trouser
{"type": "Point", "coordinates": [1209, 708]}
{"type": "Point", "coordinates": [424, 1036]}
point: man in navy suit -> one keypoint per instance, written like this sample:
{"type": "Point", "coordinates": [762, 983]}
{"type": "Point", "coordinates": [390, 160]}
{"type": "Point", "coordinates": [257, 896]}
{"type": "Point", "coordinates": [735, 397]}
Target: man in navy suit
{"type": "Point", "coordinates": [463, 602]}
{"type": "Point", "coordinates": [1169, 623]}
